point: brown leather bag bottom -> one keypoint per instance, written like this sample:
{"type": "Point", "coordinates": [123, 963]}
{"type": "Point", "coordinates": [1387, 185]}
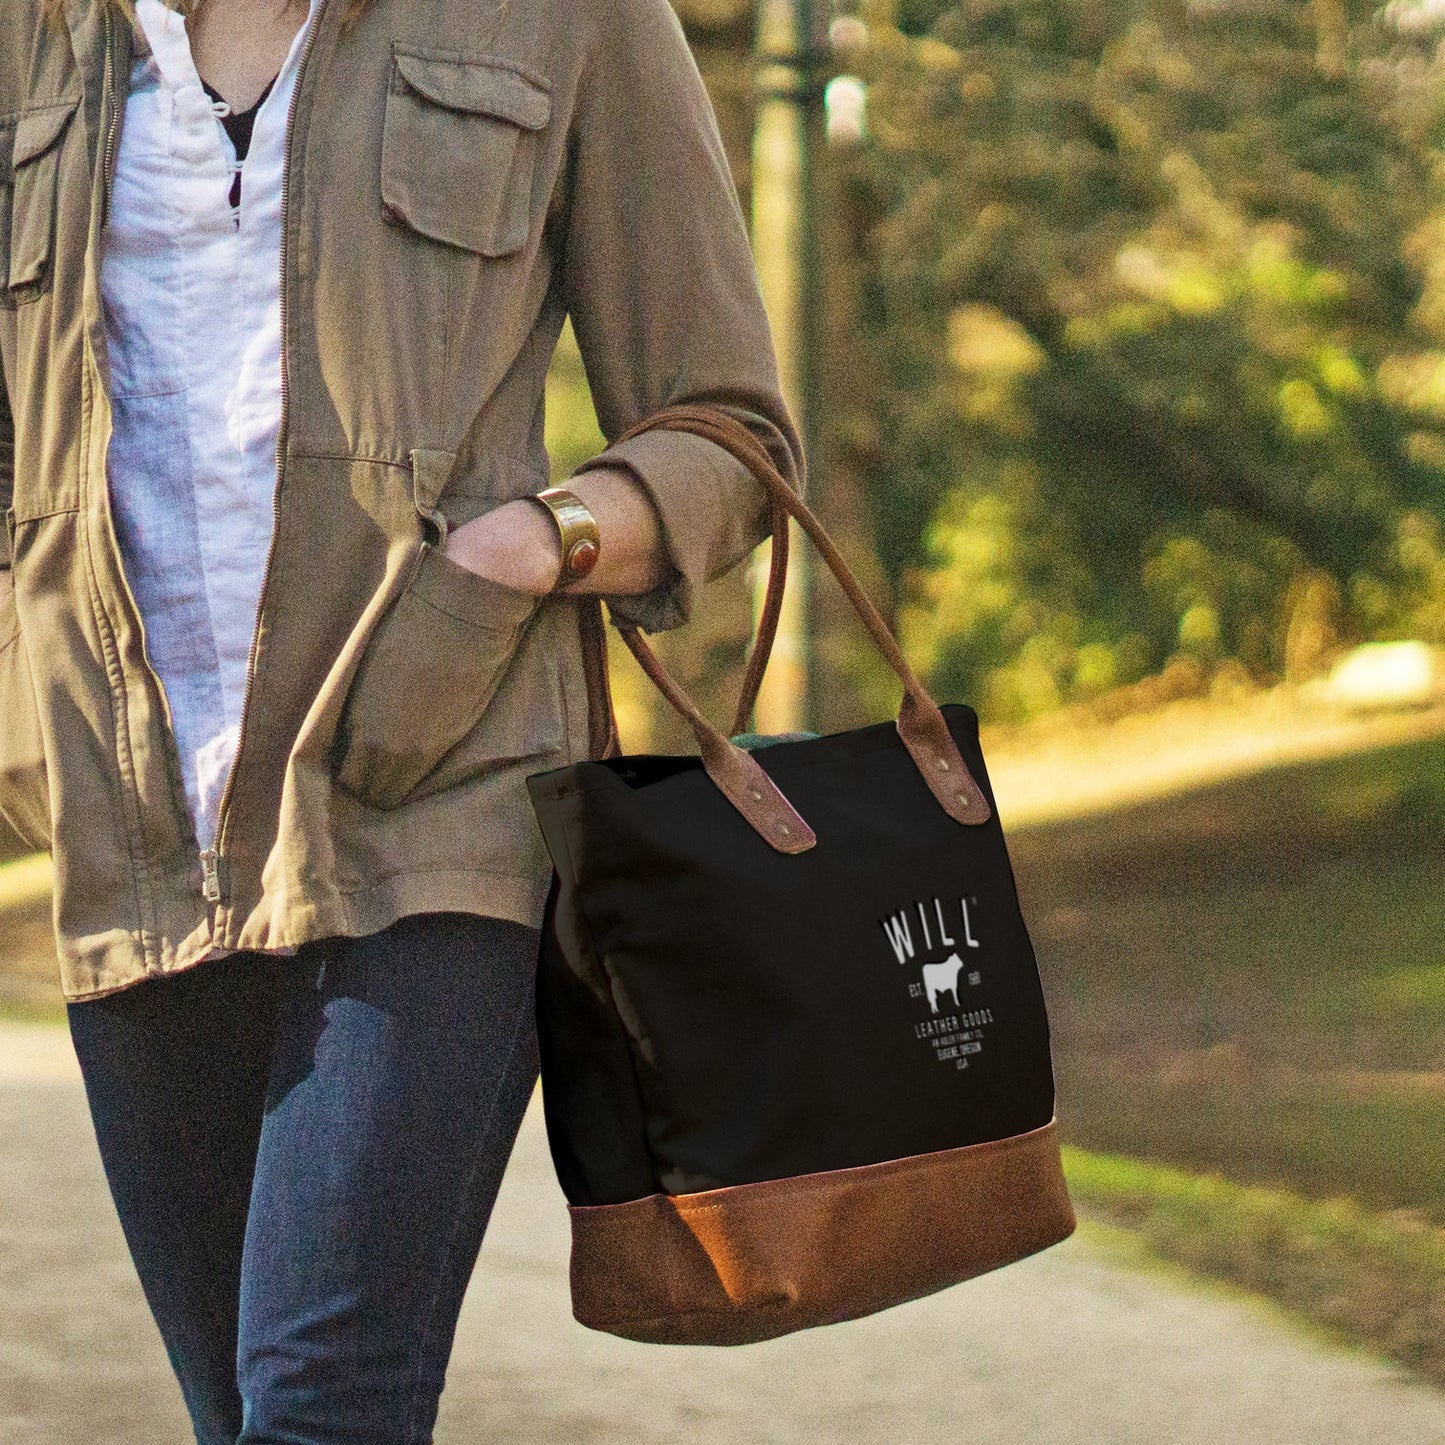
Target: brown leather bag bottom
{"type": "Point", "coordinates": [730, 1266]}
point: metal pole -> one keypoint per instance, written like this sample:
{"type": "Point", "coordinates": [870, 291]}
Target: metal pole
{"type": "Point", "coordinates": [791, 43]}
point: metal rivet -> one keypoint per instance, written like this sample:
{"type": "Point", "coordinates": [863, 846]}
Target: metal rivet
{"type": "Point", "coordinates": [783, 828]}
{"type": "Point", "coordinates": [943, 763]}
{"type": "Point", "coordinates": [961, 796]}
{"type": "Point", "coordinates": [756, 793]}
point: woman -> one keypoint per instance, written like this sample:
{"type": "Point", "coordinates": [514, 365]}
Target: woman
{"type": "Point", "coordinates": [290, 627]}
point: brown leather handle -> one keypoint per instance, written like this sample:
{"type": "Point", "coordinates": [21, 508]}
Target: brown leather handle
{"type": "Point", "coordinates": [726, 431]}
{"type": "Point", "coordinates": [603, 739]}
{"type": "Point", "coordinates": [736, 772]}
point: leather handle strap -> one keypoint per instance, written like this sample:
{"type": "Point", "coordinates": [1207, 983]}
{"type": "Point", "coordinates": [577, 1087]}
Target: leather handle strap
{"type": "Point", "coordinates": [920, 723]}
{"type": "Point", "coordinates": [717, 426]}
{"type": "Point", "coordinates": [735, 770]}
{"type": "Point", "coordinates": [603, 738]}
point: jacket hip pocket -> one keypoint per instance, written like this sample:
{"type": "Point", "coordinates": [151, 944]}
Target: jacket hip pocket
{"type": "Point", "coordinates": [458, 150]}
{"type": "Point", "coordinates": [32, 170]}
{"type": "Point", "coordinates": [425, 679]}
{"type": "Point", "coordinates": [24, 782]}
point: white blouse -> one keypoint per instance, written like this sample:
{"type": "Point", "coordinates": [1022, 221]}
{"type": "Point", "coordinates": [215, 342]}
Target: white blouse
{"type": "Point", "coordinates": [191, 294]}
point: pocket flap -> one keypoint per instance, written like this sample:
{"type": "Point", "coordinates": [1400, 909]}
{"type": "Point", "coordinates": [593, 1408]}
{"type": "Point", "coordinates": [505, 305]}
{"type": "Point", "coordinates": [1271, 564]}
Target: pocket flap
{"type": "Point", "coordinates": [7, 150]}
{"type": "Point", "coordinates": [37, 130]}
{"type": "Point", "coordinates": [485, 87]}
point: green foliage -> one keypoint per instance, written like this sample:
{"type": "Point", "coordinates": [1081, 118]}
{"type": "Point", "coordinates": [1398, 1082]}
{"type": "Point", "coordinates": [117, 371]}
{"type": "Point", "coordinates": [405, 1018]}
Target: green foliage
{"type": "Point", "coordinates": [1375, 1279]}
{"type": "Point", "coordinates": [1152, 300]}
{"type": "Point", "coordinates": [572, 431]}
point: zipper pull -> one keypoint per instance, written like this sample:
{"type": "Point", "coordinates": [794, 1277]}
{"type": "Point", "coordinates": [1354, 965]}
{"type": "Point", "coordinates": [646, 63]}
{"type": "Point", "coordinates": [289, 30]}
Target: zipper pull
{"type": "Point", "coordinates": [211, 875]}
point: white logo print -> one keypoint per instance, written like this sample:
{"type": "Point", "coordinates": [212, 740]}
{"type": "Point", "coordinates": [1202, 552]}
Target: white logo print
{"type": "Point", "coordinates": [953, 1034]}
{"type": "Point", "coordinates": [939, 978]}
{"type": "Point", "coordinates": [899, 930]}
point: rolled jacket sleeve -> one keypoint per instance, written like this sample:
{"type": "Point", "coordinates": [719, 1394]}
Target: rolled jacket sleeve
{"type": "Point", "coordinates": [664, 299]}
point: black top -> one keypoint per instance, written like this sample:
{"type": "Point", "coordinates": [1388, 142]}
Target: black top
{"type": "Point", "coordinates": [239, 126]}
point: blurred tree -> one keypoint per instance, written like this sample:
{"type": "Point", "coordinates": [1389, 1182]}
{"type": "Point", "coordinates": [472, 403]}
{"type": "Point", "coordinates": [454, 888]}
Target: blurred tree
{"type": "Point", "coordinates": [1144, 309]}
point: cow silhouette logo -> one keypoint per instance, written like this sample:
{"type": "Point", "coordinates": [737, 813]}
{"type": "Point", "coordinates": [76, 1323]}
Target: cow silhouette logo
{"type": "Point", "coordinates": [941, 978]}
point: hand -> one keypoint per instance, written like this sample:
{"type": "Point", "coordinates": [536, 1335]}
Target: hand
{"type": "Point", "coordinates": [516, 545]}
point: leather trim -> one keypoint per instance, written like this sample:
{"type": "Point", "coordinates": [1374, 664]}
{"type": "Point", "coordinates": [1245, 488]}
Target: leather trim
{"type": "Point", "coordinates": [754, 1261]}
{"type": "Point", "coordinates": [921, 725]}
{"type": "Point", "coordinates": [603, 740]}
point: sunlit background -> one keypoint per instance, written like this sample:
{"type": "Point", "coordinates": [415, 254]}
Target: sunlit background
{"type": "Point", "coordinates": [1121, 338]}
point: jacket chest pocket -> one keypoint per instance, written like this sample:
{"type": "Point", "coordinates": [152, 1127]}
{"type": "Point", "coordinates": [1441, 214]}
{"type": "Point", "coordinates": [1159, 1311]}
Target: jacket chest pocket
{"type": "Point", "coordinates": [29, 176]}
{"type": "Point", "coordinates": [458, 151]}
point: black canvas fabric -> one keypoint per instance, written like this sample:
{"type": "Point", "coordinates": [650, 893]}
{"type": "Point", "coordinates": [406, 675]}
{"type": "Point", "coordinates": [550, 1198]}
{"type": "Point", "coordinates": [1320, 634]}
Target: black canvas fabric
{"type": "Point", "coordinates": [714, 1013]}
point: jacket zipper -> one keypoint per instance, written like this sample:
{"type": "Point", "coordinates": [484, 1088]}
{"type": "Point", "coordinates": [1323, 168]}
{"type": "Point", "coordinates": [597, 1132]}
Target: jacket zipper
{"type": "Point", "coordinates": [112, 131]}
{"type": "Point", "coordinates": [213, 883]}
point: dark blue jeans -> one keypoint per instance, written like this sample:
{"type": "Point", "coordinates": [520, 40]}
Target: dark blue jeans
{"type": "Point", "coordinates": [304, 1153]}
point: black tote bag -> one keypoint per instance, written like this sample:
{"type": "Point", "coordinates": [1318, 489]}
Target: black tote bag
{"type": "Point", "coordinates": [795, 1055]}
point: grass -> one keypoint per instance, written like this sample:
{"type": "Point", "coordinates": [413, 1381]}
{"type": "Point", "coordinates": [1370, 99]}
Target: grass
{"type": "Point", "coordinates": [1376, 1140]}
{"type": "Point", "coordinates": [29, 974]}
{"type": "Point", "coordinates": [1365, 1277]}
{"type": "Point", "coordinates": [1246, 989]}
{"type": "Point", "coordinates": [27, 1009]}
{"type": "Point", "coordinates": [1240, 983]}
{"type": "Point", "coordinates": [24, 882]}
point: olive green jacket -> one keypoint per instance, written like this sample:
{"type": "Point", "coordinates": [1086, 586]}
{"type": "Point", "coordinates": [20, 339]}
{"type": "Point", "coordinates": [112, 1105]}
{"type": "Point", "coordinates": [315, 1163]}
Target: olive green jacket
{"type": "Point", "coordinates": [461, 176]}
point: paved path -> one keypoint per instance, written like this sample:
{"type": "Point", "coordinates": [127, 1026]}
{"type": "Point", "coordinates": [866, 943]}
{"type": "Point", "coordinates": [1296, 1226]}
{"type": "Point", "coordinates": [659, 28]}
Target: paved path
{"type": "Point", "coordinates": [1074, 1347]}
